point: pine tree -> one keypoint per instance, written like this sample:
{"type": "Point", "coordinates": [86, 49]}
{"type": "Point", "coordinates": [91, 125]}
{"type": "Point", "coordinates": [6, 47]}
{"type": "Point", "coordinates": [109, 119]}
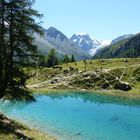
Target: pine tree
{"type": "Point", "coordinates": [3, 44]}
{"type": "Point", "coordinates": [66, 59]}
{"type": "Point", "coordinates": [52, 58]}
{"type": "Point", "coordinates": [72, 58]}
{"type": "Point", "coordinates": [18, 27]}
{"type": "Point", "coordinates": [42, 61]}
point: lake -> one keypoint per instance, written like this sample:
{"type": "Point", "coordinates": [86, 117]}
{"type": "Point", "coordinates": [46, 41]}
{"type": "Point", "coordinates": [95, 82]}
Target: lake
{"type": "Point", "coordinates": [79, 115]}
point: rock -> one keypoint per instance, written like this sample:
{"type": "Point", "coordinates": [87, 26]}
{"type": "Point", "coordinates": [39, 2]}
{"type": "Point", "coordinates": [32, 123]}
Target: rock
{"type": "Point", "coordinates": [96, 79]}
{"type": "Point", "coordinates": [105, 85]}
{"type": "Point", "coordinates": [55, 80]}
{"type": "Point", "coordinates": [125, 60]}
{"type": "Point", "coordinates": [2, 116]}
{"type": "Point", "coordinates": [77, 134]}
{"type": "Point", "coordinates": [114, 119]}
{"type": "Point", "coordinates": [71, 68]}
{"type": "Point", "coordinates": [89, 73]}
{"type": "Point", "coordinates": [122, 86]}
{"type": "Point", "coordinates": [65, 71]}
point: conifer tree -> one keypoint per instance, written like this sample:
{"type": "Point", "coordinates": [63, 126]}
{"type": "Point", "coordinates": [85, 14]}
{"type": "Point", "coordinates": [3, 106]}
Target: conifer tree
{"type": "Point", "coordinates": [66, 59]}
{"type": "Point", "coordinates": [52, 58]}
{"type": "Point", "coordinates": [72, 58]}
{"type": "Point", "coordinates": [17, 34]}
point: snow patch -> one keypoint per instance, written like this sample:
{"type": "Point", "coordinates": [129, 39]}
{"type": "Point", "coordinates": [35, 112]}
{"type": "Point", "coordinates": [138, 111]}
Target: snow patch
{"type": "Point", "coordinates": [74, 40]}
{"type": "Point", "coordinates": [105, 42]}
{"type": "Point", "coordinates": [81, 34]}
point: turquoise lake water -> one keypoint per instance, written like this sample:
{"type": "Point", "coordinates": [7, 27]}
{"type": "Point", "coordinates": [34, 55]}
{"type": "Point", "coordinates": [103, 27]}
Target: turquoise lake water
{"type": "Point", "coordinates": [79, 116]}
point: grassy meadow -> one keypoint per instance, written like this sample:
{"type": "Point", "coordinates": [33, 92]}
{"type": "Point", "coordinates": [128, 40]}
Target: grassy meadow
{"type": "Point", "coordinates": [126, 69]}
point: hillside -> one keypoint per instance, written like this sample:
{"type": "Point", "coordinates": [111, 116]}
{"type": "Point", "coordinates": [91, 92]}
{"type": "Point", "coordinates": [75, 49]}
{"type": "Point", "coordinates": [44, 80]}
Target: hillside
{"type": "Point", "coordinates": [107, 74]}
{"type": "Point", "coordinates": [44, 47]}
{"type": "Point", "coordinates": [122, 37]}
{"type": "Point", "coordinates": [129, 47]}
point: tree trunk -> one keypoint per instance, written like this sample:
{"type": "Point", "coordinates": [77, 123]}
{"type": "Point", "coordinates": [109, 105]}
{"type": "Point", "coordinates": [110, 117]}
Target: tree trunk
{"type": "Point", "coordinates": [2, 51]}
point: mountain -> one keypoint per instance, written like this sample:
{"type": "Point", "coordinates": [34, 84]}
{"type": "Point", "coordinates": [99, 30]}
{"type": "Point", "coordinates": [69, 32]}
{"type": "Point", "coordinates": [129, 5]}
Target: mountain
{"type": "Point", "coordinates": [87, 43]}
{"type": "Point", "coordinates": [61, 43]}
{"type": "Point", "coordinates": [56, 39]}
{"type": "Point", "coordinates": [56, 34]}
{"type": "Point", "coordinates": [129, 47]}
{"type": "Point", "coordinates": [120, 38]}
{"type": "Point", "coordinates": [83, 46]}
{"type": "Point", "coordinates": [84, 41]}
{"type": "Point", "coordinates": [44, 47]}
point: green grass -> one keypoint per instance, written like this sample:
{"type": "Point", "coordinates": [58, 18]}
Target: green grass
{"type": "Point", "coordinates": [116, 67]}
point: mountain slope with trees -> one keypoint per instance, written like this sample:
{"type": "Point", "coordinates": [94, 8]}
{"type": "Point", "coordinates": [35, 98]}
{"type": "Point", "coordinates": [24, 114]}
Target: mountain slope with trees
{"type": "Point", "coordinates": [120, 38]}
{"type": "Point", "coordinates": [45, 47]}
{"type": "Point", "coordinates": [127, 48]}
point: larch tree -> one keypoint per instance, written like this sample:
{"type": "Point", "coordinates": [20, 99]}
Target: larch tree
{"type": "Point", "coordinates": [17, 35]}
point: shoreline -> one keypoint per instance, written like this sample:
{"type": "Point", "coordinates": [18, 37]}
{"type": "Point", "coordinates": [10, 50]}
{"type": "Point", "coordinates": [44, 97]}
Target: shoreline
{"type": "Point", "coordinates": [11, 129]}
{"type": "Point", "coordinates": [115, 93]}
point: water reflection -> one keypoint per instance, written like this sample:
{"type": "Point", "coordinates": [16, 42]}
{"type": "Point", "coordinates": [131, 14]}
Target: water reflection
{"type": "Point", "coordinates": [97, 98]}
{"type": "Point", "coordinates": [8, 106]}
{"type": "Point", "coordinates": [79, 115]}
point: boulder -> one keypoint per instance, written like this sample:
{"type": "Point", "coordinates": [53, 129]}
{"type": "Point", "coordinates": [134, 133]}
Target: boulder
{"type": "Point", "coordinates": [122, 86]}
{"type": "Point", "coordinates": [86, 74]}
{"type": "Point", "coordinates": [65, 71]}
{"type": "Point", "coordinates": [105, 85]}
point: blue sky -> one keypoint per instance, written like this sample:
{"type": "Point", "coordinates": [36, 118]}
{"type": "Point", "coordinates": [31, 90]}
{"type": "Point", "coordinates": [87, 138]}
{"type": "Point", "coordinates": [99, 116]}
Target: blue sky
{"type": "Point", "coordinates": [102, 19]}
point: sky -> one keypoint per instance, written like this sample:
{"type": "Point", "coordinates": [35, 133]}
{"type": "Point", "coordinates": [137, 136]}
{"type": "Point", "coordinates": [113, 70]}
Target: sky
{"type": "Point", "coordinates": [102, 19]}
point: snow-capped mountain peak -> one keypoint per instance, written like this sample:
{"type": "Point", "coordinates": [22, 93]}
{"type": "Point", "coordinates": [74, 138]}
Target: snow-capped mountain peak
{"type": "Point", "coordinates": [88, 43]}
{"type": "Point", "coordinates": [81, 34]}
